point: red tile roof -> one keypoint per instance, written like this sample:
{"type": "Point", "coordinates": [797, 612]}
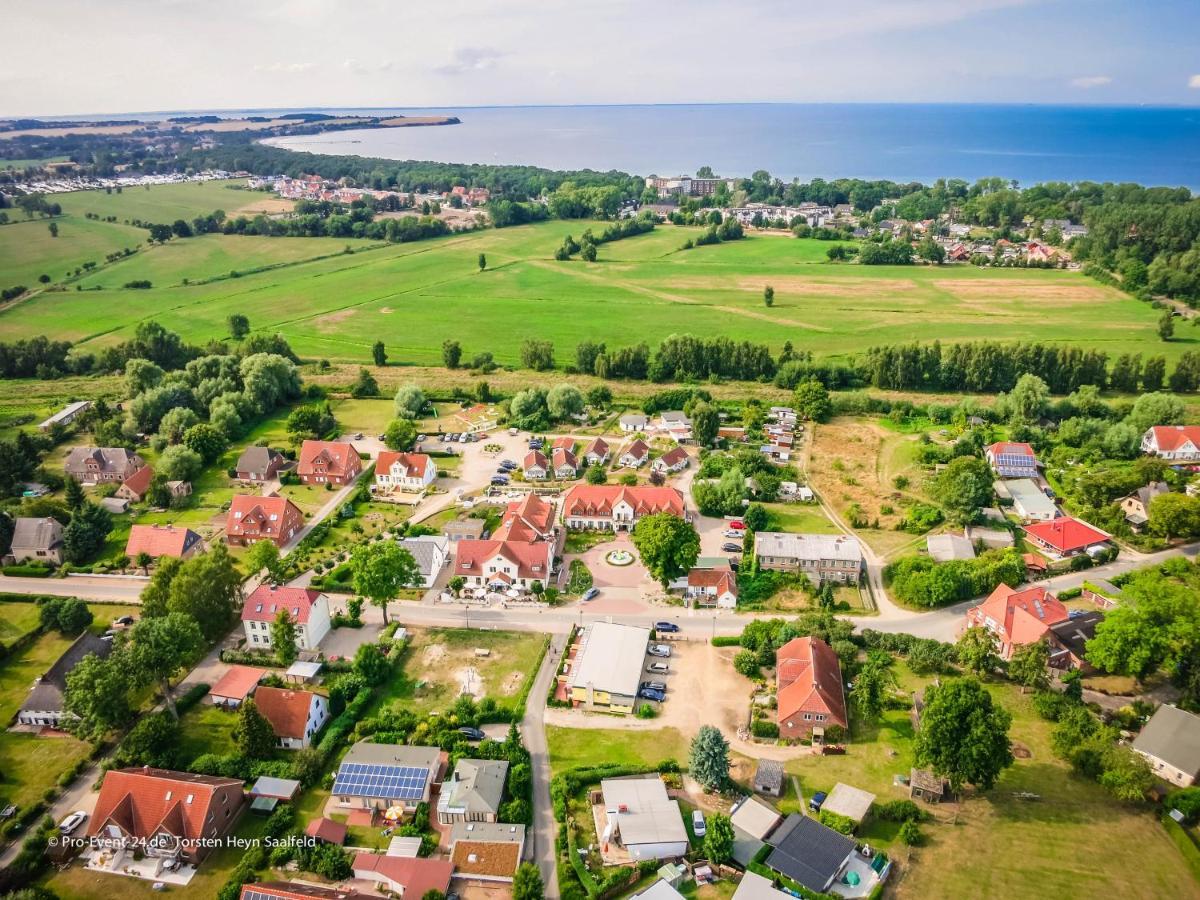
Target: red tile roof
{"type": "Point", "coordinates": [564, 458]}
{"type": "Point", "coordinates": [639, 449]}
{"type": "Point", "coordinates": [472, 556]}
{"type": "Point", "coordinates": [565, 443]}
{"type": "Point", "coordinates": [139, 481]}
{"type": "Point", "coordinates": [253, 506]}
{"type": "Point", "coordinates": [1023, 616]}
{"type": "Point", "coordinates": [534, 458]}
{"type": "Point", "coordinates": [285, 709]}
{"type": "Point", "coordinates": [415, 465]}
{"type": "Point", "coordinates": [416, 874]}
{"type": "Point", "coordinates": [809, 679]}
{"type": "Point", "coordinates": [1011, 448]}
{"type": "Point", "coordinates": [339, 458]}
{"type": "Point", "coordinates": [1065, 534]}
{"type": "Point", "coordinates": [586, 500]}
{"type": "Point", "coordinates": [1172, 437]}
{"type": "Point", "coordinates": [327, 830]}
{"type": "Point", "coordinates": [289, 890]}
{"type": "Point", "coordinates": [598, 447]}
{"type": "Point", "coordinates": [266, 601]}
{"type": "Point", "coordinates": [673, 457]}
{"type": "Point", "coordinates": [722, 579]}
{"type": "Point", "coordinates": [160, 540]}
{"type": "Point", "coordinates": [238, 683]}
{"type": "Point", "coordinates": [526, 520]}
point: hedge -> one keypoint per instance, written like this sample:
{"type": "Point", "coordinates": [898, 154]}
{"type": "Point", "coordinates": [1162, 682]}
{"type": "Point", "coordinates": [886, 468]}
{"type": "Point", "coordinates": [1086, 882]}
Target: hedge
{"type": "Point", "coordinates": [1187, 846]}
{"type": "Point", "coordinates": [727, 640]}
{"type": "Point", "coordinates": [24, 571]}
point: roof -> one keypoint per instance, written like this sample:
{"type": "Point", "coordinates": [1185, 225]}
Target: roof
{"type": "Point", "coordinates": [1066, 534]}
{"type": "Point", "coordinates": [1073, 634]}
{"type": "Point", "coordinates": [809, 852]}
{"type": "Point", "coordinates": [610, 658]}
{"type": "Point", "coordinates": [563, 457]}
{"type": "Point", "coordinates": [1011, 448]}
{"type": "Point", "coordinates": [286, 710]}
{"type": "Point", "coordinates": [1032, 498]}
{"type": "Point", "coordinates": [327, 830]}
{"type": "Point", "coordinates": [1173, 736]}
{"type": "Point", "coordinates": [533, 561]}
{"type": "Point", "coordinates": [600, 499]}
{"type": "Point", "coordinates": [487, 832]}
{"type": "Point", "coordinates": [424, 550]}
{"type": "Point", "coordinates": [160, 540]}
{"type": "Point", "coordinates": [139, 481]}
{"type": "Point", "coordinates": [47, 694]}
{"type": "Point", "coordinates": [337, 456]}
{"type": "Point", "coordinates": [1025, 616]}
{"type": "Point", "coordinates": [926, 780]}
{"type": "Point", "coordinates": [638, 449]}
{"type": "Point", "coordinates": [411, 465]}
{"type": "Point", "coordinates": [1172, 437]}
{"type": "Point", "coordinates": [294, 890]}
{"type": "Point", "coordinates": [303, 669]}
{"type": "Point", "coordinates": [476, 786]}
{"type": "Point", "coordinates": [809, 678]}
{"type": "Point", "coordinates": [267, 600]}
{"type": "Point", "coordinates": [566, 443]}
{"type": "Point", "coordinates": [946, 547]}
{"type": "Point", "coordinates": [659, 890]}
{"type": "Point", "coordinates": [390, 771]}
{"type": "Point", "coordinates": [851, 802]}
{"type": "Point", "coordinates": [634, 419]}
{"type": "Point", "coordinates": [417, 875]}
{"type": "Point", "coordinates": [643, 812]}
{"type": "Point", "coordinates": [754, 887]}
{"type": "Point", "coordinates": [479, 848]}
{"type": "Point", "coordinates": [144, 800]}
{"type": "Point", "coordinates": [528, 519]}
{"type": "Point", "coordinates": [598, 447]}
{"type": "Point", "coordinates": [534, 459]}
{"type": "Point", "coordinates": [238, 683]}
{"type": "Point", "coordinates": [755, 817]}
{"type": "Point", "coordinates": [280, 788]}
{"type": "Point", "coordinates": [769, 774]}
{"type": "Point", "coordinates": [37, 534]}
{"type": "Point", "coordinates": [673, 457]}
{"type": "Point", "coordinates": [721, 579]}
{"type": "Point", "coordinates": [277, 506]}
{"type": "Point", "coordinates": [839, 547]}
{"type": "Point", "coordinates": [109, 458]}
{"type": "Point", "coordinates": [257, 459]}
{"type": "Point", "coordinates": [67, 412]}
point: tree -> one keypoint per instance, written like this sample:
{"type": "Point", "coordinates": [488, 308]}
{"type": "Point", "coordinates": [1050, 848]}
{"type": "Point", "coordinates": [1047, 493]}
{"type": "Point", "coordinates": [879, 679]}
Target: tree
{"type": "Point", "coordinates": [482, 261]}
{"type": "Point", "coordinates": [141, 375]}
{"type": "Point", "coordinates": [153, 741]}
{"type": "Point", "coordinates": [143, 561]}
{"type": "Point", "coordinates": [718, 838]}
{"type": "Point", "coordinates": [253, 735]}
{"type": "Point", "coordinates": [179, 463]}
{"type": "Point", "coordinates": [73, 494]}
{"type": "Point", "coordinates": [239, 326]}
{"type": "Point", "coordinates": [537, 355]}
{"type": "Point", "coordinates": [84, 535]}
{"type": "Point", "coordinates": [708, 761]}
{"type": "Point", "coordinates": [976, 650]}
{"type": "Point", "coordinates": [1175, 515]}
{"type": "Point", "coordinates": [964, 734]}
{"type": "Point", "coordinates": [410, 400]}
{"type": "Point", "coordinates": [380, 570]}
{"type": "Point", "coordinates": [668, 546]}
{"type": "Point", "coordinates": [527, 882]}
{"type": "Point", "coordinates": [963, 487]}
{"type": "Point", "coordinates": [769, 296]}
{"type": "Point", "coordinates": [208, 589]}
{"type": "Point", "coordinates": [1155, 409]}
{"type": "Point", "coordinates": [265, 555]}
{"type": "Point", "coordinates": [379, 354]}
{"type": "Point", "coordinates": [156, 595]}
{"type": "Point", "coordinates": [1126, 774]}
{"type": "Point", "coordinates": [53, 226]}
{"type": "Point", "coordinates": [73, 616]}
{"type": "Point", "coordinates": [364, 385]}
{"type": "Point", "coordinates": [587, 251]}
{"type": "Point", "coordinates": [705, 423]}
{"type": "Point", "coordinates": [399, 434]}
{"type": "Point", "coordinates": [1166, 325]}
{"type": "Point", "coordinates": [1028, 400]}
{"type": "Point", "coordinates": [869, 691]}
{"type": "Point", "coordinates": [596, 474]}
{"type": "Point", "coordinates": [283, 638]}
{"type": "Point", "coordinates": [371, 664]}
{"type": "Point", "coordinates": [159, 648]}
{"type": "Point", "coordinates": [1028, 665]}
{"type": "Point", "coordinates": [745, 662]}
{"type": "Point", "coordinates": [812, 401]}
{"type": "Point", "coordinates": [451, 354]}
{"type": "Point", "coordinates": [564, 401]}
{"type": "Point", "coordinates": [97, 696]}
{"type": "Point", "coordinates": [206, 441]}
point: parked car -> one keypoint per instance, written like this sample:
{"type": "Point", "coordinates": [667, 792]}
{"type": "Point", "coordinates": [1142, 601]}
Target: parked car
{"type": "Point", "coordinates": [590, 593]}
{"type": "Point", "coordinates": [658, 668]}
{"type": "Point", "coordinates": [730, 533]}
{"type": "Point", "coordinates": [698, 826]}
{"type": "Point", "coordinates": [655, 685]}
{"type": "Point", "coordinates": [668, 627]}
{"type": "Point", "coordinates": [471, 734]}
{"type": "Point", "coordinates": [509, 463]}
{"type": "Point", "coordinates": [464, 438]}
{"type": "Point", "coordinates": [651, 694]}
{"type": "Point", "coordinates": [500, 479]}
{"type": "Point", "coordinates": [358, 435]}
{"type": "Point", "coordinates": [817, 800]}
{"type": "Point", "coordinates": [72, 822]}
{"type": "Point", "coordinates": [422, 437]}
{"type": "Point", "coordinates": [122, 621]}
{"type": "Point", "coordinates": [730, 547]}
{"type": "Point", "coordinates": [659, 650]}
{"type": "Point", "coordinates": [737, 525]}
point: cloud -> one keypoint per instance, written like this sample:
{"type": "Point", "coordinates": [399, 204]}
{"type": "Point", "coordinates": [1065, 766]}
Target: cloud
{"type": "Point", "coordinates": [280, 68]}
{"type": "Point", "coordinates": [1194, 82]}
{"type": "Point", "coordinates": [470, 59]}
{"type": "Point", "coordinates": [366, 68]}
{"type": "Point", "coordinates": [1090, 81]}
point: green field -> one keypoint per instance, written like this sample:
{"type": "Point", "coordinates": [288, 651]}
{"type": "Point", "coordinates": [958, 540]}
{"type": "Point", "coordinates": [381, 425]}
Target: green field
{"type": "Point", "coordinates": [414, 296]}
{"type": "Point", "coordinates": [160, 202]}
{"type": "Point", "coordinates": [572, 747]}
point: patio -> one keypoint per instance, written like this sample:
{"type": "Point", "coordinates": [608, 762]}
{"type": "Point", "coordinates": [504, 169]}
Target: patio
{"type": "Point", "coordinates": [858, 867]}
{"type": "Point", "coordinates": [150, 868]}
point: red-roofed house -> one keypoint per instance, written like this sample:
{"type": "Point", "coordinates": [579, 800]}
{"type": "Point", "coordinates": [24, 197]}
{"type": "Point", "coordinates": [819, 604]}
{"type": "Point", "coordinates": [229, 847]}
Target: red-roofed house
{"type": "Point", "coordinates": [1012, 460]}
{"type": "Point", "coordinates": [238, 683]}
{"type": "Point", "coordinates": [1180, 443]}
{"type": "Point", "coordinates": [295, 890]}
{"type": "Point", "coordinates": [134, 487]}
{"type": "Point", "coordinates": [309, 610]}
{"type": "Point", "coordinates": [597, 452]}
{"type": "Point", "coordinates": [565, 463]}
{"type": "Point", "coordinates": [712, 587]}
{"type": "Point", "coordinates": [404, 471]}
{"type": "Point", "coordinates": [529, 520]}
{"type": "Point", "coordinates": [252, 518]}
{"type": "Point", "coordinates": [634, 455]}
{"type": "Point", "coordinates": [162, 814]}
{"type": "Point", "coordinates": [808, 689]}
{"type": "Point", "coordinates": [1016, 617]}
{"type": "Point", "coordinates": [672, 461]}
{"type": "Point", "coordinates": [1065, 536]}
{"type": "Point", "coordinates": [535, 465]}
{"type": "Point", "coordinates": [328, 462]}
{"type": "Point", "coordinates": [162, 540]}
{"type": "Point", "coordinates": [327, 830]}
{"type": "Point", "coordinates": [616, 507]}
{"type": "Point", "coordinates": [295, 716]}
{"type": "Point", "coordinates": [407, 877]}
{"type": "Point", "coordinates": [504, 564]}
{"type": "Point", "coordinates": [563, 443]}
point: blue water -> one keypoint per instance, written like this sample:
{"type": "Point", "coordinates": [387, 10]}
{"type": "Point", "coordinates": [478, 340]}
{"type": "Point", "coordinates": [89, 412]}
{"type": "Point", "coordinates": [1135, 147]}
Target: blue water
{"type": "Point", "coordinates": [1029, 144]}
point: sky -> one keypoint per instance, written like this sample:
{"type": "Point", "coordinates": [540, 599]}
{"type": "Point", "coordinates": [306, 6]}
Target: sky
{"type": "Point", "coordinates": [87, 57]}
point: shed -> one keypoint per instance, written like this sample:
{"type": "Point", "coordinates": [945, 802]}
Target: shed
{"type": "Point", "coordinates": [851, 802]}
{"type": "Point", "coordinates": [236, 685]}
{"type": "Point", "coordinates": [302, 672]}
{"type": "Point", "coordinates": [924, 785]}
{"type": "Point", "coordinates": [327, 830]}
{"type": "Point", "coordinates": [768, 777]}
{"type": "Point", "coordinates": [404, 847]}
{"type": "Point", "coordinates": [279, 788]}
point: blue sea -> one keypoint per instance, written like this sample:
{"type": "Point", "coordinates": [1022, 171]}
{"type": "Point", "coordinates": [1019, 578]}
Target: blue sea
{"type": "Point", "coordinates": [1026, 144]}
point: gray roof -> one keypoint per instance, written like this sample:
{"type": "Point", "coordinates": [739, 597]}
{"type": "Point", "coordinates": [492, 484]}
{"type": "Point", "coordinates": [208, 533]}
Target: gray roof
{"type": "Point", "coordinates": [839, 547]}
{"type": "Point", "coordinates": [769, 774]}
{"type": "Point", "coordinates": [424, 551]}
{"type": "Point", "coordinates": [649, 816]}
{"type": "Point", "coordinates": [809, 852]}
{"type": "Point", "coordinates": [754, 887]}
{"type": "Point", "coordinates": [36, 534]}
{"type": "Point", "coordinates": [281, 788]}
{"type": "Point", "coordinates": [1173, 736]}
{"type": "Point", "coordinates": [110, 458]}
{"type": "Point", "coordinates": [47, 694]}
{"type": "Point", "coordinates": [1030, 497]}
{"type": "Point", "coordinates": [947, 547]}
{"type": "Point", "coordinates": [1075, 632]}
{"type": "Point", "coordinates": [756, 818]}
{"type": "Point", "coordinates": [851, 802]}
{"type": "Point", "coordinates": [487, 832]}
{"type": "Point", "coordinates": [256, 459]}
{"type": "Point", "coordinates": [610, 658]}
{"type": "Point", "coordinates": [475, 787]}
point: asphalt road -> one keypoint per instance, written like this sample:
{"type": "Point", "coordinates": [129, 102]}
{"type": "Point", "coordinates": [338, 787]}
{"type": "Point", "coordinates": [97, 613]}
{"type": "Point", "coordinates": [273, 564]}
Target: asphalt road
{"type": "Point", "coordinates": [533, 731]}
{"type": "Point", "coordinates": [87, 587]}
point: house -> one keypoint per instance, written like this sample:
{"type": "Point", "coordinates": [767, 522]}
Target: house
{"type": "Point", "coordinates": [431, 553]}
{"type": "Point", "coordinates": [672, 461]}
{"type": "Point", "coordinates": [924, 785]}
{"type": "Point", "coordinates": [486, 852]}
{"type": "Point", "coordinates": [1136, 506]}
{"type": "Point", "coordinates": [1068, 640]}
{"type": "Point", "coordinates": [753, 822]}
{"type": "Point", "coordinates": [328, 462]}
{"type": "Point", "coordinates": [822, 557]}
{"type": "Point", "coordinates": [768, 777]}
{"type": "Point", "coordinates": [639, 816]}
{"type": "Point", "coordinates": [115, 505]}
{"type": "Point", "coordinates": [606, 669]}
{"type": "Point", "coordinates": [97, 465]}
{"type": "Point", "coordinates": [259, 464]}
{"type": "Point", "coordinates": [1016, 617]}
{"type": "Point", "coordinates": [616, 507]}
{"type": "Point", "coordinates": [991, 538]}
{"type": "Point", "coordinates": [135, 487]}
{"type": "Point", "coordinates": [44, 705]}
{"type": "Point", "coordinates": [563, 443]}
{"type": "Point", "coordinates": [179, 489]}
{"type": "Point", "coordinates": [295, 890]}
{"type": "Point", "coordinates": [163, 540]}
{"type": "Point", "coordinates": [851, 802]}
{"type": "Point", "coordinates": [660, 889]}
{"type": "Point", "coordinates": [565, 463]}
{"type": "Point", "coordinates": [412, 472]}
{"type": "Point", "coordinates": [295, 716]}
{"type": "Point", "coordinates": [37, 539]}
{"type": "Point", "coordinates": [1066, 536]}
{"type": "Point", "coordinates": [634, 422]}
{"type": "Point", "coordinates": [252, 518]}
{"type": "Point", "coordinates": [162, 814]}
{"type": "Point", "coordinates": [755, 887]}
{"type": "Point", "coordinates": [634, 455]}
{"type": "Point", "coordinates": [535, 466]}
{"type": "Point", "coordinates": [473, 792]}
{"type": "Point", "coordinates": [1178, 443]}
{"type": "Point", "coordinates": [409, 878]}
{"type": "Point", "coordinates": [1030, 501]}
{"type": "Point", "coordinates": [1170, 741]}
{"type": "Point", "coordinates": [379, 776]}
{"type": "Point", "coordinates": [468, 529]}
{"type": "Point", "coordinates": [500, 565]}
{"type": "Point", "coordinates": [809, 853]}
{"type": "Point", "coordinates": [597, 453]}
{"type": "Point", "coordinates": [307, 608]}
{"type": "Point", "coordinates": [238, 683]}
{"type": "Point", "coordinates": [530, 519]}
{"type": "Point", "coordinates": [732, 434]}
{"type": "Point", "coordinates": [712, 587]}
{"type": "Point", "coordinates": [808, 689]}
{"type": "Point", "coordinates": [948, 547]}
{"type": "Point", "coordinates": [327, 831]}
{"type": "Point", "coordinates": [675, 424]}
{"type": "Point", "coordinates": [66, 415]}
{"type": "Point", "coordinates": [1010, 459]}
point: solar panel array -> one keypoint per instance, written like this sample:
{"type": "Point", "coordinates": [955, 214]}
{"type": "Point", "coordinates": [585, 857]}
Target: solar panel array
{"type": "Point", "coordinates": [250, 893]}
{"type": "Point", "coordinates": [389, 782]}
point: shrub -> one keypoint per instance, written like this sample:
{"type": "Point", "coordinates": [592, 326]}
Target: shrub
{"type": "Point", "coordinates": [910, 833]}
{"type": "Point", "coordinates": [844, 824]}
{"type": "Point", "coordinates": [764, 728]}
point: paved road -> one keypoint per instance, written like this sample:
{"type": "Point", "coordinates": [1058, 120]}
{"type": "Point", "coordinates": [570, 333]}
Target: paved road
{"type": "Point", "coordinates": [533, 731]}
{"type": "Point", "coordinates": [112, 590]}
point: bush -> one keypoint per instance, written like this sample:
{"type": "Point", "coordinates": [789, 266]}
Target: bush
{"type": "Point", "coordinates": [1187, 801]}
{"type": "Point", "coordinates": [910, 833]}
{"type": "Point", "coordinates": [646, 711]}
{"type": "Point", "coordinates": [764, 728]}
{"type": "Point", "coordinates": [727, 640]}
{"type": "Point", "coordinates": [746, 663]}
{"type": "Point", "coordinates": [844, 824]}
{"type": "Point", "coordinates": [899, 811]}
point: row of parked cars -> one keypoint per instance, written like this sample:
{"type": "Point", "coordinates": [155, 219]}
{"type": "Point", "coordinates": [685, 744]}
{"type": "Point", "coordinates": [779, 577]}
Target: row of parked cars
{"type": "Point", "coordinates": [657, 690]}
{"type": "Point", "coordinates": [504, 472]}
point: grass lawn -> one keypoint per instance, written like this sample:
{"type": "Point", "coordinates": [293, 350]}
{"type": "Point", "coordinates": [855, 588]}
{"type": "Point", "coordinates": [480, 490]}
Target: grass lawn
{"type": "Point", "coordinates": [28, 250]}
{"type": "Point", "coordinates": [207, 728]}
{"type": "Point", "coordinates": [571, 747]}
{"type": "Point", "coordinates": [17, 619]}
{"type": "Point", "coordinates": [800, 518]}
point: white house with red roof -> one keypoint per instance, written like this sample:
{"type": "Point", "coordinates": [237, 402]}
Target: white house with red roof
{"type": "Point", "coordinates": [1179, 443]}
{"type": "Point", "coordinates": [328, 462]}
{"type": "Point", "coordinates": [253, 518]}
{"type": "Point", "coordinates": [1012, 459]}
{"type": "Point", "coordinates": [712, 587]}
{"type": "Point", "coordinates": [404, 472]}
{"type": "Point", "coordinates": [409, 878]}
{"type": "Point", "coordinates": [163, 540]}
{"type": "Point", "coordinates": [808, 689]}
{"type": "Point", "coordinates": [535, 465]}
{"type": "Point", "coordinates": [499, 565]}
{"type": "Point", "coordinates": [1017, 618]}
{"type": "Point", "coordinates": [308, 609]}
{"type": "Point", "coordinates": [295, 716]}
{"type": "Point", "coordinates": [530, 520]}
{"type": "Point", "coordinates": [617, 507]}
{"type": "Point", "coordinates": [1066, 536]}
{"type": "Point", "coordinates": [565, 463]}
{"type": "Point", "coordinates": [597, 452]}
{"type": "Point", "coordinates": [635, 454]}
{"type": "Point", "coordinates": [674, 460]}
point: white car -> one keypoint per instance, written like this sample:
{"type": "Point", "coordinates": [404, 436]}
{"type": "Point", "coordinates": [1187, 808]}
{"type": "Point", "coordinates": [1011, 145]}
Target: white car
{"type": "Point", "coordinates": [698, 826]}
{"type": "Point", "coordinates": [733, 534]}
{"type": "Point", "coordinates": [72, 822]}
{"type": "Point", "coordinates": [661, 650]}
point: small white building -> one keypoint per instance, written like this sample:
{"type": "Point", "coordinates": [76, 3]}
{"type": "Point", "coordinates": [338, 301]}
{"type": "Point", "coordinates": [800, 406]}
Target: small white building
{"type": "Point", "coordinates": [308, 609]}
{"type": "Point", "coordinates": [640, 817]}
{"type": "Point", "coordinates": [411, 472]}
{"type": "Point", "coordinates": [431, 552]}
{"type": "Point", "coordinates": [1030, 501]}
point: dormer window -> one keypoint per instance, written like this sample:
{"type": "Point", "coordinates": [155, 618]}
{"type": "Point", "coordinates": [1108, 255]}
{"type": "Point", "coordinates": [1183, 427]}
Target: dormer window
{"type": "Point", "coordinates": [189, 799]}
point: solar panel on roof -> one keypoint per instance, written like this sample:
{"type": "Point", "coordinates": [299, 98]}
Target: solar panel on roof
{"type": "Point", "coordinates": [391, 782]}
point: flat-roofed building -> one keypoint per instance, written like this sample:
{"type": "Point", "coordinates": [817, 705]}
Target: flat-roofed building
{"type": "Point", "coordinates": [607, 668]}
{"type": "Point", "coordinates": [822, 557]}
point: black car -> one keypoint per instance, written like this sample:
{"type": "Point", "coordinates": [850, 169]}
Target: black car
{"type": "Point", "coordinates": [471, 734]}
{"type": "Point", "coordinates": [651, 694]}
{"type": "Point", "coordinates": [730, 547]}
{"type": "Point", "coordinates": [653, 686]}
{"type": "Point", "coordinates": [500, 479]}
{"type": "Point", "coordinates": [668, 627]}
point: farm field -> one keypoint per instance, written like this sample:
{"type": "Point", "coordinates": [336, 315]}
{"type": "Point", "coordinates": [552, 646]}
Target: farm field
{"type": "Point", "coordinates": [160, 202]}
{"type": "Point", "coordinates": [27, 251]}
{"type": "Point", "coordinates": [414, 296]}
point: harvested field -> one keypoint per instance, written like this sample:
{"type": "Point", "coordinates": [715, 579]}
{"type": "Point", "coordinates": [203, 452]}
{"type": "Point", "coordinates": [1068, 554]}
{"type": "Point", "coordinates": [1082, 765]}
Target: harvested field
{"type": "Point", "coordinates": [1027, 290]}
